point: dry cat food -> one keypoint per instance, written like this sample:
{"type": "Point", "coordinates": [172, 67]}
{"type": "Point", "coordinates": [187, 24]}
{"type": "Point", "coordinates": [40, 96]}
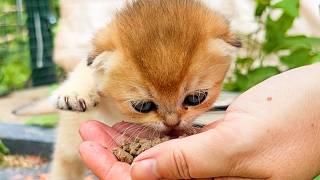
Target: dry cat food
{"type": "Point", "coordinates": [128, 151]}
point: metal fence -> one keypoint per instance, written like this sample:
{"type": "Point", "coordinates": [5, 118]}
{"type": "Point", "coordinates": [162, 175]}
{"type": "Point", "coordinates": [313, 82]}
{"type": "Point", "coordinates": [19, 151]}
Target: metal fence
{"type": "Point", "coordinates": [26, 43]}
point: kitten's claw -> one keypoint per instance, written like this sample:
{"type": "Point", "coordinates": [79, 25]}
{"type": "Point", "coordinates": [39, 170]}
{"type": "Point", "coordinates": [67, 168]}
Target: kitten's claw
{"type": "Point", "coordinates": [83, 105]}
{"type": "Point", "coordinates": [66, 101]}
{"type": "Point", "coordinates": [76, 102]}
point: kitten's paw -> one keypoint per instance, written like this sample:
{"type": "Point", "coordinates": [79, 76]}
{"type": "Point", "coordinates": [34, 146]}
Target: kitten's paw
{"type": "Point", "coordinates": [76, 102]}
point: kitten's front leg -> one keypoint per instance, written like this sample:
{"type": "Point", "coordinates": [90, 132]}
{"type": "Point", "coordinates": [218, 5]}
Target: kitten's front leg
{"type": "Point", "coordinates": [78, 92]}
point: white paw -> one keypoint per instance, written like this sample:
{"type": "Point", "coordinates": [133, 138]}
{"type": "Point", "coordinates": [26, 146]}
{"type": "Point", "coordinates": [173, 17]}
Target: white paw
{"type": "Point", "coordinates": [75, 102]}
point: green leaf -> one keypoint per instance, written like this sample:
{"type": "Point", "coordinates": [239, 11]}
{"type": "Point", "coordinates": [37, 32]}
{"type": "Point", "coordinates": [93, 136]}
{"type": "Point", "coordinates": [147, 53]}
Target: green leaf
{"type": "Point", "coordinates": [299, 42]}
{"type": "Point", "coordinates": [298, 58]}
{"type": "Point", "coordinates": [244, 63]}
{"type": "Point", "coordinates": [290, 7]}
{"type": "Point", "coordinates": [281, 25]}
{"type": "Point", "coordinates": [230, 86]}
{"type": "Point", "coordinates": [260, 74]}
{"type": "Point", "coordinates": [47, 121]}
{"type": "Point", "coordinates": [242, 82]}
{"type": "Point", "coordinates": [317, 178]}
{"type": "Point", "coordinates": [261, 7]}
{"type": "Point", "coordinates": [264, 2]}
{"type": "Point", "coordinates": [316, 57]}
{"type": "Point", "coordinates": [238, 84]}
{"type": "Point", "coordinates": [3, 149]}
{"type": "Point", "coordinates": [276, 31]}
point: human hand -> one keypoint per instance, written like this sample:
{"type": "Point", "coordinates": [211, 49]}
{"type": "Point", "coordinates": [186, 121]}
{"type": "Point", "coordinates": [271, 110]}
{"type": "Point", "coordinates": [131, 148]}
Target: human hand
{"type": "Point", "coordinates": [271, 131]}
{"type": "Point", "coordinates": [100, 140]}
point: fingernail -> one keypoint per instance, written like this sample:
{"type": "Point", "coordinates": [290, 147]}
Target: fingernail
{"type": "Point", "coordinates": [145, 169]}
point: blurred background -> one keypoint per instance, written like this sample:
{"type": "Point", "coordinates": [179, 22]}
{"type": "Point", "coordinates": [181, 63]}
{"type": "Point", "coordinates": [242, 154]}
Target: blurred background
{"type": "Point", "coordinates": [42, 40]}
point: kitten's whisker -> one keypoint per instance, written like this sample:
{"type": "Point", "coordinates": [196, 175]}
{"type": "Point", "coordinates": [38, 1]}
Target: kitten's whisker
{"type": "Point", "coordinates": [118, 139]}
{"type": "Point", "coordinates": [123, 136]}
{"type": "Point", "coordinates": [153, 133]}
{"type": "Point", "coordinates": [133, 130]}
{"type": "Point", "coordinates": [121, 126]}
{"type": "Point", "coordinates": [156, 130]}
{"type": "Point", "coordinates": [143, 130]}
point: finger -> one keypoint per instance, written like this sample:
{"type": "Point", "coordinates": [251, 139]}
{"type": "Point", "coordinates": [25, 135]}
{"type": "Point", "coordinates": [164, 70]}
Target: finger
{"type": "Point", "coordinates": [102, 162]}
{"type": "Point", "coordinates": [237, 178]}
{"type": "Point", "coordinates": [212, 125]}
{"type": "Point", "coordinates": [99, 132]}
{"type": "Point", "coordinates": [208, 154]}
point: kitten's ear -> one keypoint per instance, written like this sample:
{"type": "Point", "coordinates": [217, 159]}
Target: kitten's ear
{"type": "Point", "coordinates": [91, 57]}
{"type": "Point", "coordinates": [226, 43]}
{"type": "Point", "coordinates": [231, 39]}
{"type": "Point", "coordinates": [101, 42]}
{"type": "Point", "coordinates": [220, 28]}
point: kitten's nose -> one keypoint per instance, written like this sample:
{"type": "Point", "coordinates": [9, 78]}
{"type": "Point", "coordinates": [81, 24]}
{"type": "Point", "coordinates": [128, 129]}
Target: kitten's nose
{"type": "Point", "coordinates": [172, 120]}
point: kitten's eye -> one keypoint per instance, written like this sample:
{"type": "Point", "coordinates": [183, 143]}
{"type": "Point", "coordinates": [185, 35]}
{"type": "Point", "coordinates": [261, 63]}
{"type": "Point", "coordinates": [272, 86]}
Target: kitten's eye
{"type": "Point", "coordinates": [144, 107]}
{"type": "Point", "coordinates": [196, 98]}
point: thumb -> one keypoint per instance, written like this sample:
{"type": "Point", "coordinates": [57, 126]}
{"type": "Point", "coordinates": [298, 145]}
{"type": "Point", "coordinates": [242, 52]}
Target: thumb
{"type": "Point", "coordinates": [208, 154]}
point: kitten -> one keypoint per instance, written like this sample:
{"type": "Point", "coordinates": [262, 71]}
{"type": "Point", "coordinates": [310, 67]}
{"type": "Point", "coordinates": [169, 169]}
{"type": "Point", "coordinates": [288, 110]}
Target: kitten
{"type": "Point", "coordinates": [160, 63]}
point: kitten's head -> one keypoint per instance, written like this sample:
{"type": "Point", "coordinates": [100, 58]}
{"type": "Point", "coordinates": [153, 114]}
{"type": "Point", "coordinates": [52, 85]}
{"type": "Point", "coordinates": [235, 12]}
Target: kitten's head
{"type": "Point", "coordinates": [163, 61]}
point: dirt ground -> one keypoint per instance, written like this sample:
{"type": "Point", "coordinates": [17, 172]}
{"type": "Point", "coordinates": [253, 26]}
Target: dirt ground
{"type": "Point", "coordinates": [21, 105]}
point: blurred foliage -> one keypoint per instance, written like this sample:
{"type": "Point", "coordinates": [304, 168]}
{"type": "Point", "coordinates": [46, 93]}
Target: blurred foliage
{"type": "Point", "coordinates": [317, 178]}
{"type": "Point", "coordinates": [3, 150]}
{"type": "Point", "coordinates": [56, 8]}
{"type": "Point", "coordinates": [52, 88]}
{"type": "Point", "coordinates": [15, 67]}
{"type": "Point", "coordinates": [14, 55]}
{"type": "Point", "coordinates": [300, 50]}
{"type": "Point", "coordinates": [15, 71]}
{"type": "Point", "coordinates": [47, 121]}
{"type": "Point", "coordinates": [290, 51]}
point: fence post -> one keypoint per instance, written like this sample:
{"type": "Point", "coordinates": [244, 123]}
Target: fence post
{"type": "Point", "coordinates": [40, 42]}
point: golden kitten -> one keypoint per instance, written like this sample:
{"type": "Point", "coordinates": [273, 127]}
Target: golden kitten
{"type": "Point", "coordinates": [160, 63]}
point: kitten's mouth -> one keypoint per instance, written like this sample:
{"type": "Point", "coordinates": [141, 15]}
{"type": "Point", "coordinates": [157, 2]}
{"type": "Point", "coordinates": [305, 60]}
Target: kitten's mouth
{"type": "Point", "coordinates": [138, 130]}
{"type": "Point", "coordinates": [174, 133]}
{"type": "Point", "coordinates": [179, 132]}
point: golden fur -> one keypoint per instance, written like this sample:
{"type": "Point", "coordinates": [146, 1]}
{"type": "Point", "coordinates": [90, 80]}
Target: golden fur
{"type": "Point", "coordinates": [164, 46]}
{"type": "Point", "coordinates": [154, 50]}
